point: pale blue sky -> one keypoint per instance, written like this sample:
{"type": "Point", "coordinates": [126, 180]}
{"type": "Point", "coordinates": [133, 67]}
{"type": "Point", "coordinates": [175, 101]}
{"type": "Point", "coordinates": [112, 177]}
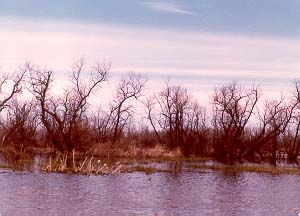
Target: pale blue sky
{"type": "Point", "coordinates": [250, 17]}
{"type": "Point", "coordinates": [198, 43]}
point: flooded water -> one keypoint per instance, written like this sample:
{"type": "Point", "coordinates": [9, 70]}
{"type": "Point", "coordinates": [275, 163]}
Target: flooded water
{"type": "Point", "coordinates": [158, 194]}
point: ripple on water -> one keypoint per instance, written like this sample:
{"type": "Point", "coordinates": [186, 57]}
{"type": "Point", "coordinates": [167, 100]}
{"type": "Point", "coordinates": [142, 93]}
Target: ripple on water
{"type": "Point", "coordinates": [211, 193]}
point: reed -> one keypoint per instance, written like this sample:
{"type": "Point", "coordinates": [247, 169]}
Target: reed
{"type": "Point", "coordinates": [87, 166]}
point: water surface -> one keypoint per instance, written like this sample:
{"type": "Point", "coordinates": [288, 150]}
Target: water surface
{"type": "Point", "coordinates": [186, 193]}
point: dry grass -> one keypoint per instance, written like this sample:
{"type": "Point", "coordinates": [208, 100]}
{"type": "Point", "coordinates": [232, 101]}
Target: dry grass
{"type": "Point", "coordinates": [87, 166]}
{"type": "Point", "coordinates": [132, 150]}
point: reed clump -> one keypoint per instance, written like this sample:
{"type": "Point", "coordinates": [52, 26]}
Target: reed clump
{"type": "Point", "coordinates": [89, 165]}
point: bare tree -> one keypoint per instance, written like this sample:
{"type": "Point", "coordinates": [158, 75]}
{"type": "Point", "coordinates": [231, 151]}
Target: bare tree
{"type": "Point", "coordinates": [293, 147]}
{"type": "Point", "coordinates": [168, 110]}
{"type": "Point", "coordinates": [173, 102]}
{"type": "Point", "coordinates": [130, 87]}
{"type": "Point", "coordinates": [150, 105]}
{"type": "Point", "coordinates": [10, 86]}
{"type": "Point", "coordinates": [102, 126]}
{"type": "Point", "coordinates": [20, 125]}
{"type": "Point", "coordinates": [197, 130]}
{"type": "Point", "coordinates": [177, 120]}
{"type": "Point", "coordinates": [64, 117]}
{"type": "Point", "coordinates": [233, 108]}
{"type": "Point", "coordinates": [280, 115]}
{"type": "Point", "coordinates": [273, 122]}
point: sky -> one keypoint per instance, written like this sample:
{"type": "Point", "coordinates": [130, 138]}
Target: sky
{"type": "Point", "coordinates": [198, 44]}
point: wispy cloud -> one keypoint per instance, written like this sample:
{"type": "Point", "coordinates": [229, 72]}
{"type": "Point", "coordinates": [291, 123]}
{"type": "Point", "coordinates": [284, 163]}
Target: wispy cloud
{"type": "Point", "coordinates": [154, 50]}
{"type": "Point", "coordinates": [197, 59]}
{"type": "Point", "coordinates": [168, 7]}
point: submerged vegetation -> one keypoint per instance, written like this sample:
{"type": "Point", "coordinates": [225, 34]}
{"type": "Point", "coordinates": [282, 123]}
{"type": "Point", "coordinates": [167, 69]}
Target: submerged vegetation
{"type": "Point", "coordinates": [238, 127]}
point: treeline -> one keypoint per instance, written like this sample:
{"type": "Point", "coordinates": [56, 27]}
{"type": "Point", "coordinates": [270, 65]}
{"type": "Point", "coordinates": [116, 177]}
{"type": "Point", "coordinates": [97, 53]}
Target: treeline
{"type": "Point", "coordinates": [237, 127]}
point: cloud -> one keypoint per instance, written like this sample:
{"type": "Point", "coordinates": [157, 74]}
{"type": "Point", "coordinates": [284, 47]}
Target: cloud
{"type": "Point", "coordinates": [147, 50]}
{"type": "Point", "coordinates": [196, 59]}
{"type": "Point", "coordinates": [168, 7]}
